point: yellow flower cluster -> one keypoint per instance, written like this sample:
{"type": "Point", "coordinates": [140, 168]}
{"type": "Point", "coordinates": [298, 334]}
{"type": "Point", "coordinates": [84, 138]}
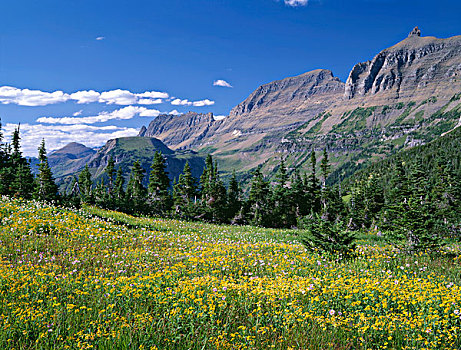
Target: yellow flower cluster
{"type": "Point", "coordinates": [72, 280]}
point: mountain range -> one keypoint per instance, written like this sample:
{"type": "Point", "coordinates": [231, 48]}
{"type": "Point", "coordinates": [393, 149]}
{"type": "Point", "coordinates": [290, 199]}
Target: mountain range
{"type": "Point", "coordinates": [407, 95]}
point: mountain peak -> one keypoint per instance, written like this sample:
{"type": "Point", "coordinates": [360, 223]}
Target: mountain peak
{"type": "Point", "coordinates": [415, 32]}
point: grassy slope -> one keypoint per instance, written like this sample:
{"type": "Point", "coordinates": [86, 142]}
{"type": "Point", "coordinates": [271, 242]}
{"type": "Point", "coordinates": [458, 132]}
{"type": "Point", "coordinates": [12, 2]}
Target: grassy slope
{"type": "Point", "coordinates": [108, 280]}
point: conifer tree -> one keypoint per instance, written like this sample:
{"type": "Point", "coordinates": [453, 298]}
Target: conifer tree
{"type": "Point", "coordinates": [299, 195]}
{"type": "Point", "coordinates": [46, 189]}
{"type": "Point", "coordinates": [86, 185]}
{"type": "Point", "coordinates": [22, 180]}
{"type": "Point", "coordinates": [234, 201]}
{"type": "Point", "coordinates": [110, 171]}
{"type": "Point", "coordinates": [159, 198]}
{"type": "Point", "coordinates": [119, 192]}
{"type": "Point", "coordinates": [185, 194]}
{"type": "Point", "coordinates": [259, 208]}
{"type": "Point", "coordinates": [282, 213]}
{"type": "Point", "coordinates": [313, 187]}
{"type": "Point", "coordinates": [136, 192]}
{"type": "Point", "coordinates": [214, 194]}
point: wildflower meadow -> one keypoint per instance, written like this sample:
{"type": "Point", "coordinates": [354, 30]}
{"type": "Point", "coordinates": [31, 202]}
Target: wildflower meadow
{"type": "Point", "coordinates": [95, 279]}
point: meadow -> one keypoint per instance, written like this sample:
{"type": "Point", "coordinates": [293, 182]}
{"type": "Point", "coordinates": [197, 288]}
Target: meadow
{"type": "Point", "coordinates": [105, 280]}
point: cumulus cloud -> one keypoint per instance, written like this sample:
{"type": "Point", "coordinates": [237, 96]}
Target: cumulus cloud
{"type": "Point", "coordinates": [174, 112]}
{"type": "Point", "coordinates": [57, 136]}
{"type": "Point", "coordinates": [118, 97]}
{"type": "Point", "coordinates": [99, 38]}
{"type": "Point", "coordinates": [295, 3]}
{"type": "Point", "coordinates": [202, 103]}
{"type": "Point", "coordinates": [125, 113]}
{"type": "Point", "coordinates": [85, 96]}
{"type": "Point", "coordinates": [222, 83]}
{"type": "Point", "coordinates": [26, 97]}
{"type": "Point", "coordinates": [76, 114]}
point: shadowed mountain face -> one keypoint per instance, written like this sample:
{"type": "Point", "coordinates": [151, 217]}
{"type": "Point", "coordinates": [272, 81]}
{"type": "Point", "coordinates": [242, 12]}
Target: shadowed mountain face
{"type": "Point", "coordinates": [406, 95]}
{"type": "Point", "coordinates": [125, 151]}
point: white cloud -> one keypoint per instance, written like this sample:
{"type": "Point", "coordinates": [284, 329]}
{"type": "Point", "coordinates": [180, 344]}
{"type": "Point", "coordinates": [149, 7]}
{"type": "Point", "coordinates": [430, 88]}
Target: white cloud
{"type": "Point", "coordinates": [222, 83]}
{"type": "Point", "coordinates": [125, 113]}
{"type": "Point", "coordinates": [99, 38]}
{"type": "Point", "coordinates": [179, 102]}
{"type": "Point", "coordinates": [57, 136]}
{"type": "Point", "coordinates": [149, 113]}
{"type": "Point", "coordinates": [26, 97]}
{"type": "Point", "coordinates": [202, 103]}
{"type": "Point", "coordinates": [85, 96]}
{"type": "Point", "coordinates": [153, 94]}
{"type": "Point", "coordinates": [76, 114]}
{"type": "Point", "coordinates": [118, 97]}
{"type": "Point", "coordinates": [174, 112]}
{"type": "Point", "coordinates": [296, 3]}
{"type": "Point", "coordinates": [150, 101]}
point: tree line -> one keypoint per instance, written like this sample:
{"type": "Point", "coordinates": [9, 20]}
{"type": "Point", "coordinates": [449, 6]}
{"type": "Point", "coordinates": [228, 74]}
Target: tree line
{"type": "Point", "coordinates": [412, 209]}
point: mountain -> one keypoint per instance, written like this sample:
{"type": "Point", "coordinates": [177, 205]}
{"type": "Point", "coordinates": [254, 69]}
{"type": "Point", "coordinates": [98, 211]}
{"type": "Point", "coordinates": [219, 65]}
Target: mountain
{"type": "Point", "coordinates": [125, 151]}
{"type": "Point", "coordinates": [69, 159]}
{"type": "Point", "coordinates": [407, 95]}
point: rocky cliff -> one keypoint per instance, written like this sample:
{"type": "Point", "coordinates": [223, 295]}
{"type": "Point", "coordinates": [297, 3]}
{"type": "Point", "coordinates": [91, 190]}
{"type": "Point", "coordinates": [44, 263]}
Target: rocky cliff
{"type": "Point", "coordinates": [406, 95]}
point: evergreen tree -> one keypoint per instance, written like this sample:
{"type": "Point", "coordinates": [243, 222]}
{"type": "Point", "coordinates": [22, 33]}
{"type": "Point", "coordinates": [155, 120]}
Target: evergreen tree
{"type": "Point", "coordinates": [100, 194]}
{"type": "Point", "coordinates": [214, 194]}
{"type": "Point", "coordinates": [185, 194]}
{"type": "Point", "coordinates": [159, 198]}
{"type": "Point", "coordinates": [86, 185]}
{"type": "Point", "coordinates": [119, 192]}
{"type": "Point", "coordinates": [234, 201]}
{"type": "Point", "coordinates": [259, 206]}
{"type": "Point", "coordinates": [46, 189]}
{"type": "Point", "coordinates": [136, 192]}
{"type": "Point", "coordinates": [22, 180]}
{"type": "Point", "coordinates": [313, 187]}
{"type": "Point", "coordinates": [299, 195]}
{"type": "Point", "coordinates": [282, 212]}
{"type": "Point", "coordinates": [110, 171]}
{"type": "Point", "coordinates": [330, 238]}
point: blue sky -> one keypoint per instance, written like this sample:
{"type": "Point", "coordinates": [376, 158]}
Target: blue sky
{"type": "Point", "coordinates": [88, 71]}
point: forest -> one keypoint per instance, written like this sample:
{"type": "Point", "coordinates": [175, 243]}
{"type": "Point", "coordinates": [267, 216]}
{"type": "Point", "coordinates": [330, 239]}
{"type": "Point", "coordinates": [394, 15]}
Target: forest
{"type": "Point", "coordinates": [413, 199]}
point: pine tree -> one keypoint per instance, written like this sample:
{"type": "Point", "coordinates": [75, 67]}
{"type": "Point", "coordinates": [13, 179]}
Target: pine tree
{"type": "Point", "coordinates": [234, 201]}
{"type": "Point", "coordinates": [259, 206]}
{"type": "Point", "coordinates": [313, 187]}
{"type": "Point", "coordinates": [86, 186]}
{"type": "Point", "coordinates": [329, 238]}
{"type": "Point", "coordinates": [46, 189]}
{"type": "Point", "coordinates": [214, 194]}
{"type": "Point", "coordinates": [299, 195]}
{"type": "Point", "coordinates": [110, 171]}
{"type": "Point", "coordinates": [136, 192]}
{"type": "Point", "coordinates": [282, 212]}
{"type": "Point", "coordinates": [119, 192]}
{"type": "Point", "coordinates": [185, 194]}
{"type": "Point", "coordinates": [159, 198]}
{"type": "Point", "coordinates": [22, 180]}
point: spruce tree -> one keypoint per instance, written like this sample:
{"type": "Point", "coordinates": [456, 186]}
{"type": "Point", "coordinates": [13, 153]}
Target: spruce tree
{"type": "Point", "coordinates": [282, 211]}
{"type": "Point", "coordinates": [119, 192]}
{"type": "Point", "coordinates": [86, 185]}
{"type": "Point", "coordinates": [22, 180]}
{"type": "Point", "coordinates": [159, 198]}
{"type": "Point", "coordinates": [110, 171]}
{"type": "Point", "coordinates": [185, 194]}
{"type": "Point", "coordinates": [136, 192]}
{"type": "Point", "coordinates": [313, 187]}
{"type": "Point", "coordinates": [234, 202]}
{"type": "Point", "coordinates": [259, 206]}
{"type": "Point", "coordinates": [45, 189]}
